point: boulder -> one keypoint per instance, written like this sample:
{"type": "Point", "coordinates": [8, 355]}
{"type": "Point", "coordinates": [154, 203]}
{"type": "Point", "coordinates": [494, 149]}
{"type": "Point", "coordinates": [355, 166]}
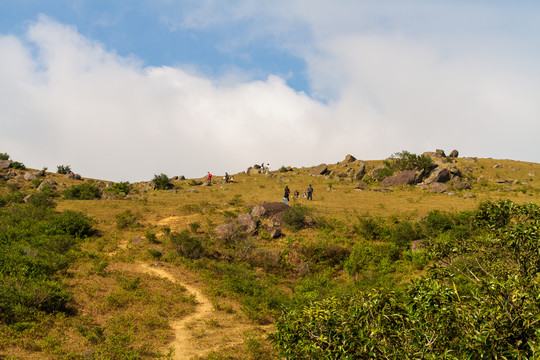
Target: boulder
{"type": "Point", "coordinates": [438, 187]}
{"type": "Point", "coordinates": [319, 170]}
{"type": "Point", "coordinates": [47, 183]}
{"type": "Point", "coordinates": [439, 153]}
{"type": "Point", "coordinates": [348, 159]}
{"type": "Point", "coordinates": [275, 232]}
{"type": "Point", "coordinates": [247, 223]}
{"type": "Point", "coordinates": [252, 171]}
{"type": "Point", "coordinates": [463, 185]}
{"type": "Point", "coordinates": [28, 198]}
{"type": "Point", "coordinates": [429, 154]}
{"type": "Point", "coordinates": [226, 231]}
{"type": "Point", "coordinates": [72, 175]}
{"type": "Point", "coordinates": [5, 164]}
{"type": "Point", "coordinates": [182, 177]}
{"type": "Point", "coordinates": [361, 186]}
{"type": "Point", "coordinates": [453, 154]}
{"type": "Point", "coordinates": [375, 172]}
{"type": "Point", "coordinates": [138, 240]}
{"type": "Point", "coordinates": [406, 177]}
{"type": "Point", "coordinates": [359, 175]}
{"type": "Point", "coordinates": [440, 174]}
{"type": "Point", "coordinates": [207, 182]}
{"type": "Point", "coordinates": [29, 176]}
{"type": "Point", "coordinates": [269, 209]}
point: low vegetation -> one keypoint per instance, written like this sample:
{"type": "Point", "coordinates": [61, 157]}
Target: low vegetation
{"type": "Point", "coordinates": [357, 273]}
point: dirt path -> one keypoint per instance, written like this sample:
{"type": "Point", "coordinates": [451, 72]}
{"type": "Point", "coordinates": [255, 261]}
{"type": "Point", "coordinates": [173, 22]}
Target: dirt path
{"type": "Point", "coordinates": [206, 329]}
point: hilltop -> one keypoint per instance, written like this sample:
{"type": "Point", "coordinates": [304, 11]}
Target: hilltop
{"type": "Point", "coordinates": [179, 268]}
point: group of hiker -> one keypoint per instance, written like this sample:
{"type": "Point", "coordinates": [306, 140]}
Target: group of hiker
{"type": "Point", "coordinates": [308, 194]}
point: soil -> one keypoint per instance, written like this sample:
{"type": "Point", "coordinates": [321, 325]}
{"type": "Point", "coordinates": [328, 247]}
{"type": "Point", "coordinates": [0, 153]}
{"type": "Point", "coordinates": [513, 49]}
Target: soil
{"type": "Point", "coordinates": [205, 330]}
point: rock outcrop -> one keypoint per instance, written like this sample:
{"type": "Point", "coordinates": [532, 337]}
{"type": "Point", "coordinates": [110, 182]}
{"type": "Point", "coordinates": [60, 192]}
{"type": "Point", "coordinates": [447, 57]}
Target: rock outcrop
{"type": "Point", "coordinates": [406, 177]}
{"type": "Point", "coordinates": [319, 170]}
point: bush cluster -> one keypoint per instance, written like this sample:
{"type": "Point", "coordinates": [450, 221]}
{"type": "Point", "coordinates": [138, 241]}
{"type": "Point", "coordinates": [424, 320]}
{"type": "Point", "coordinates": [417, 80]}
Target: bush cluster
{"type": "Point", "coordinates": [85, 191]}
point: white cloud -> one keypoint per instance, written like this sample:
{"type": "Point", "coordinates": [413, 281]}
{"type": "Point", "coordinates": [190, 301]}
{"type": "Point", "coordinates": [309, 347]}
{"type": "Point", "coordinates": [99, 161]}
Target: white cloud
{"type": "Point", "coordinates": [64, 99]}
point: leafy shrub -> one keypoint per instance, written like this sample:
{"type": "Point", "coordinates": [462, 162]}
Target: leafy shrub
{"type": "Point", "coordinates": [85, 191]}
{"type": "Point", "coordinates": [325, 253]}
{"type": "Point", "coordinates": [36, 182]}
{"type": "Point", "coordinates": [155, 253]}
{"type": "Point", "coordinates": [151, 237]}
{"type": "Point", "coordinates": [187, 245]}
{"type": "Point", "coordinates": [63, 169]}
{"type": "Point", "coordinates": [369, 228]}
{"type": "Point", "coordinates": [162, 182]}
{"type": "Point", "coordinates": [72, 223]}
{"type": "Point", "coordinates": [194, 227]}
{"type": "Point", "coordinates": [404, 233]}
{"type": "Point", "coordinates": [283, 169]}
{"type": "Point", "coordinates": [4, 156]}
{"type": "Point", "coordinates": [123, 187]}
{"type": "Point", "coordinates": [405, 160]}
{"type": "Point", "coordinates": [295, 216]}
{"type": "Point", "coordinates": [126, 219]}
{"type": "Point", "coordinates": [17, 165]}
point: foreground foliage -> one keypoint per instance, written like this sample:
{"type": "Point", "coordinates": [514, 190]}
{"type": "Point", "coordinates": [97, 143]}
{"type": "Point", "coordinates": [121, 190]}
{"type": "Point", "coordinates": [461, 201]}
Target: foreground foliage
{"type": "Point", "coordinates": [479, 301]}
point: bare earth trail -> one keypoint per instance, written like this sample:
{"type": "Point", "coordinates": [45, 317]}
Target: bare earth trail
{"type": "Point", "coordinates": [206, 329]}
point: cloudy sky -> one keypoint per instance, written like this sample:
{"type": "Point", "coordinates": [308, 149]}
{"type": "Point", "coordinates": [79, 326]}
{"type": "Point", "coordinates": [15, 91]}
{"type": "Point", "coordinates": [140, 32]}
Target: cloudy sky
{"type": "Point", "coordinates": [125, 89]}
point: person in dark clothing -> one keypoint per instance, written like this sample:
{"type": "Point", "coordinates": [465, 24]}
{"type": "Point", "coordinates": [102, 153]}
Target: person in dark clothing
{"type": "Point", "coordinates": [309, 192]}
{"type": "Point", "coordinates": [286, 195]}
{"type": "Point", "coordinates": [226, 177]}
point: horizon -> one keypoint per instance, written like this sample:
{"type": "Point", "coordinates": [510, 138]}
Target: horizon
{"type": "Point", "coordinates": [125, 90]}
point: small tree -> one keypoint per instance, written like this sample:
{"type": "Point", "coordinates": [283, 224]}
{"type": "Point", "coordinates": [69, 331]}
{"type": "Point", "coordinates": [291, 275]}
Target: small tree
{"type": "Point", "coordinates": [162, 182]}
{"type": "Point", "coordinates": [4, 156]}
{"type": "Point", "coordinates": [63, 169]}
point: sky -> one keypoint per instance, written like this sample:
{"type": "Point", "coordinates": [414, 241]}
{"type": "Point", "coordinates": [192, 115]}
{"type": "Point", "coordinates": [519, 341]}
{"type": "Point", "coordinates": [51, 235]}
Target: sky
{"type": "Point", "coordinates": [124, 90]}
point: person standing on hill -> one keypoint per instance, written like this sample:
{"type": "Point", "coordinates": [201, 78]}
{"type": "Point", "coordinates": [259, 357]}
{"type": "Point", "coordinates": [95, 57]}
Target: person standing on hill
{"type": "Point", "coordinates": [209, 177]}
{"type": "Point", "coordinates": [309, 192]}
{"type": "Point", "coordinates": [286, 195]}
{"type": "Point", "coordinates": [226, 177]}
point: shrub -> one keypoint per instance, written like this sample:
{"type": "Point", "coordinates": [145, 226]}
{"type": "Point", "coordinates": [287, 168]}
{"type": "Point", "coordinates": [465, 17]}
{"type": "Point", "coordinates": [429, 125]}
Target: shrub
{"type": "Point", "coordinates": [405, 160]}
{"type": "Point", "coordinates": [162, 182]}
{"type": "Point", "coordinates": [368, 228]}
{"type": "Point", "coordinates": [194, 226]}
{"type": "Point", "coordinates": [17, 165]}
{"type": "Point", "coordinates": [4, 156]}
{"type": "Point", "coordinates": [295, 216]}
{"type": "Point", "coordinates": [283, 169]}
{"type": "Point", "coordinates": [86, 191]}
{"type": "Point", "coordinates": [126, 219]}
{"type": "Point", "coordinates": [151, 237]}
{"type": "Point", "coordinates": [63, 169]}
{"type": "Point", "coordinates": [120, 188]}
{"type": "Point", "coordinates": [72, 223]}
{"type": "Point", "coordinates": [187, 245]}
{"type": "Point", "coordinates": [155, 253]}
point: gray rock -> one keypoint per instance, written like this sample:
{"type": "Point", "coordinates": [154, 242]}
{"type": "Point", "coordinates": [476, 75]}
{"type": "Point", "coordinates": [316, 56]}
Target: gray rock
{"type": "Point", "coordinates": [226, 231]}
{"type": "Point", "coordinates": [252, 171]}
{"type": "Point", "coordinates": [439, 153]}
{"type": "Point", "coordinates": [498, 166]}
{"type": "Point", "coordinates": [440, 174]}
{"type": "Point", "coordinates": [361, 186]}
{"type": "Point", "coordinates": [438, 187]}
{"type": "Point", "coordinates": [275, 232]}
{"type": "Point", "coordinates": [406, 177]}
{"type": "Point", "coordinates": [375, 172]}
{"type": "Point", "coordinates": [359, 175]}
{"type": "Point", "coordinates": [469, 196]}
{"type": "Point", "coordinates": [453, 154]}
{"type": "Point", "coordinates": [138, 240]}
{"type": "Point", "coordinates": [463, 185]}
{"type": "Point", "coordinates": [28, 198]}
{"type": "Point", "coordinates": [29, 176]}
{"type": "Point", "coordinates": [269, 209]}
{"type": "Point", "coordinates": [5, 164]}
{"type": "Point", "coordinates": [319, 170]}
{"type": "Point", "coordinates": [429, 154]}
{"type": "Point", "coordinates": [349, 159]}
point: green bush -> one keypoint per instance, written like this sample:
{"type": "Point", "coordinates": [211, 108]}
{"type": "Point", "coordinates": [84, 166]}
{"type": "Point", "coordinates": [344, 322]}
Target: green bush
{"type": "Point", "coordinates": [17, 165]}
{"type": "Point", "coordinates": [63, 169]}
{"type": "Point", "coordinates": [120, 188]}
{"type": "Point", "coordinates": [85, 191]}
{"type": "Point", "coordinates": [405, 160]}
{"type": "Point", "coordinates": [162, 182]}
{"type": "Point", "coordinates": [369, 228]}
{"type": "Point", "coordinates": [187, 245]}
{"type": "Point", "coordinates": [4, 156]}
{"type": "Point", "coordinates": [295, 216]}
{"type": "Point", "coordinates": [126, 219]}
{"type": "Point", "coordinates": [480, 301]}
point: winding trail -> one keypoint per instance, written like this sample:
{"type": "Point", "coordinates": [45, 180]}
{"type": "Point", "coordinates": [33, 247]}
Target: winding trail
{"type": "Point", "coordinates": [206, 329]}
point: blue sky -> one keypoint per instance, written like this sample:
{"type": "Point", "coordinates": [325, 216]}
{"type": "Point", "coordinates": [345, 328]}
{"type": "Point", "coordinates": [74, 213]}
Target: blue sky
{"type": "Point", "coordinates": [186, 87]}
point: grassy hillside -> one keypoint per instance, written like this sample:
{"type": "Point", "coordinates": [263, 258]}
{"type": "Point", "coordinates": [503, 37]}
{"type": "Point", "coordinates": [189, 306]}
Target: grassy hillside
{"type": "Point", "coordinates": [134, 267]}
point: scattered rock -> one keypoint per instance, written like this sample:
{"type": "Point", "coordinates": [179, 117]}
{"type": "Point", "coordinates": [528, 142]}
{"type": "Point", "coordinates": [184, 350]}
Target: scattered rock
{"type": "Point", "coordinates": [361, 186]}
{"type": "Point", "coordinates": [451, 193]}
{"type": "Point", "coordinates": [463, 185]}
{"type": "Point", "coordinates": [275, 232]}
{"type": "Point", "coordinates": [207, 182]}
{"type": "Point", "coordinates": [252, 171]}
{"type": "Point", "coordinates": [248, 223]}
{"type": "Point", "coordinates": [226, 231]}
{"type": "Point", "coordinates": [72, 175]}
{"type": "Point", "coordinates": [182, 177]}
{"type": "Point", "coordinates": [440, 174]}
{"type": "Point", "coordinates": [157, 264]}
{"type": "Point", "coordinates": [5, 164]}
{"type": "Point", "coordinates": [417, 245]}
{"type": "Point", "coordinates": [27, 198]}
{"type": "Point", "coordinates": [269, 209]}
{"type": "Point", "coordinates": [348, 159]}
{"type": "Point", "coordinates": [29, 176]}
{"type": "Point", "coordinates": [406, 177]}
{"type": "Point", "coordinates": [359, 175]}
{"type": "Point", "coordinates": [383, 190]}
{"type": "Point", "coordinates": [469, 196]}
{"type": "Point", "coordinates": [453, 154]}
{"type": "Point", "coordinates": [194, 191]}
{"type": "Point", "coordinates": [498, 166]}
{"type": "Point", "coordinates": [470, 159]}
{"type": "Point", "coordinates": [138, 240]}
{"type": "Point", "coordinates": [439, 153]}
{"type": "Point", "coordinates": [438, 187]}
{"type": "Point", "coordinates": [319, 170]}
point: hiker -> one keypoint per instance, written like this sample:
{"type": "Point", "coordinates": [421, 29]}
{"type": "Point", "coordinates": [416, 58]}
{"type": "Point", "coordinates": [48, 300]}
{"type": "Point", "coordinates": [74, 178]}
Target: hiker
{"type": "Point", "coordinates": [286, 195]}
{"type": "Point", "coordinates": [261, 170]}
{"type": "Point", "coordinates": [309, 192]}
{"type": "Point", "coordinates": [209, 177]}
{"type": "Point", "coordinates": [296, 194]}
{"type": "Point", "coordinates": [267, 168]}
{"type": "Point", "coordinates": [226, 177]}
